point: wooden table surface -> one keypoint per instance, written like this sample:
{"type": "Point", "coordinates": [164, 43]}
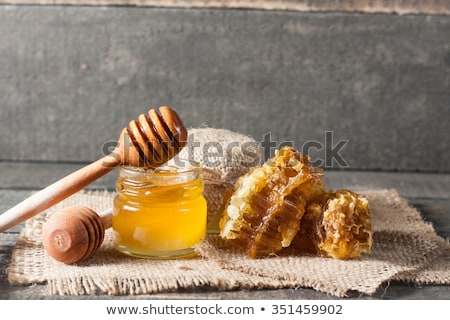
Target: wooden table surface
{"type": "Point", "coordinates": [430, 193]}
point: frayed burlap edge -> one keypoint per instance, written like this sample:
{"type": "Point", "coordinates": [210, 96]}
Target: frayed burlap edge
{"type": "Point", "coordinates": [405, 249]}
{"type": "Point", "coordinates": [108, 272]}
{"type": "Point", "coordinates": [413, 254]}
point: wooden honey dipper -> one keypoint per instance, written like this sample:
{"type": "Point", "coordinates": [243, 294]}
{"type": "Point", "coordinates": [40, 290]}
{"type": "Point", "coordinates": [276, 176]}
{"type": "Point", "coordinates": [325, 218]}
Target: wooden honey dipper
{"type": "Point", "coordinates": [75, 233]}
{"type": "Point", "coordinates": [148, 142]}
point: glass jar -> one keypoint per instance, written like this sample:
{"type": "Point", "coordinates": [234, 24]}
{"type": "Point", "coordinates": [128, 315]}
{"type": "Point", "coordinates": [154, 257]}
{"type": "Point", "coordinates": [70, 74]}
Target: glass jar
{"type": "Point", "coordinates": [159, 213]}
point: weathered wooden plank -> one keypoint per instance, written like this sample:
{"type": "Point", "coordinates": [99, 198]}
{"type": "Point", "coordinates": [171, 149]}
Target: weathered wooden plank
{"type": "Point", "coordinates": [408, 184]}
{"type": "Point", "coordinates": [436, 212]}
{"type": "Point", "coordinates": [393, 290]}
{"type": "Point", "coordinates": [72, 77]}
{"type": "Point", "coordinates": [370, 6]}
{"type": "Point", "coordinates": [18, 179]}
{"type": "Point", "coordinates": [35, 176]}
{"type": "Point", "coordinates": [8, 241]}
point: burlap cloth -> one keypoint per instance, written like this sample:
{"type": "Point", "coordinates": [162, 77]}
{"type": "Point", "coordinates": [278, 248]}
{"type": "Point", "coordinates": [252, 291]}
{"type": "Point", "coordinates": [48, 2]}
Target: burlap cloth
{"type": "Point", "coordinates": [224, 156]}
{"type": "Point", "coordinates": [405, 248]}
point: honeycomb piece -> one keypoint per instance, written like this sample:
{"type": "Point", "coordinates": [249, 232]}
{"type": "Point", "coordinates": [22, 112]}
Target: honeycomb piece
{"type": "Point", "coordinates": [337, 225]}
{"type": "Point", "coordinates": [268, 203]}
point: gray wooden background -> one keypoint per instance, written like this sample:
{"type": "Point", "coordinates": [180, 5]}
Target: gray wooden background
{"type": "Point", "coordinates": [72, 77]}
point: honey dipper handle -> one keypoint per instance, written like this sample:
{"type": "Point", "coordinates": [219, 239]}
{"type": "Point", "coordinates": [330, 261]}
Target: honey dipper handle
{"type": "Point", "coordinates": [106, 217]}
{"type": "Point", "coordinates": [57, 192]}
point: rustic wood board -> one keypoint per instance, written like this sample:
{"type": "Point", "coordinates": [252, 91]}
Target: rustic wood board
{"type": "Point", "coordinates": [35, 176]}
{"type": "Point", "coordinates": [368, 6]}
{"type": "Point", "coordinates": [71, 77]}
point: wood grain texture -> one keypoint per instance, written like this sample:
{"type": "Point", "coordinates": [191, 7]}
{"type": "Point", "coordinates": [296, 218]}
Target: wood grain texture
{"type": "Point", "coordinates": [72, 77]}
{"type": "Point", "coordinates": [19, 179]}
{"type": "Point", "coordinates": [368, 6]}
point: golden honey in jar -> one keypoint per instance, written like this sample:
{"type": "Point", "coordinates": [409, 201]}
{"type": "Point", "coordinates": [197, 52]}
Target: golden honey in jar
{"type": "Point", "coordinates": [159, 213]}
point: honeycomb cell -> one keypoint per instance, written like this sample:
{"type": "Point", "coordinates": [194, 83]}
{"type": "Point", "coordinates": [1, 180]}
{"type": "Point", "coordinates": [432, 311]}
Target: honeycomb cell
{"type": "Point", "coordinates": [337, 225]}
{"type": "Point", "coordinates": [268, 203]}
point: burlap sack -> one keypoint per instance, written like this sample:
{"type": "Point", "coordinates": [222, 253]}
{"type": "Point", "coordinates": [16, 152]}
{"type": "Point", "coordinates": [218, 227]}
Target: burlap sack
{"type": "Point", "coordinates": [224, 156]}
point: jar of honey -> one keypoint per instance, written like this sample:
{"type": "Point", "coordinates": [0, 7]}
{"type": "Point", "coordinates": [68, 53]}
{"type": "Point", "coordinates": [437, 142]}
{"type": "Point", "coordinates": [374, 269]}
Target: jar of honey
{"type": "Point", "coordinates": [159, 213]}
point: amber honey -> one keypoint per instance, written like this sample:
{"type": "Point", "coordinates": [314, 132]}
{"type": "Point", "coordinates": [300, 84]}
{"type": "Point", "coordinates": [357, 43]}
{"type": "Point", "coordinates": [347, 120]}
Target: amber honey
{"type": "Point", "coordinates": [159, 213]}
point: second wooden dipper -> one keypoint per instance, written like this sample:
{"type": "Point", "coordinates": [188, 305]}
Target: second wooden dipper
{"type": "Point", "coordinates": [75, 233]}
